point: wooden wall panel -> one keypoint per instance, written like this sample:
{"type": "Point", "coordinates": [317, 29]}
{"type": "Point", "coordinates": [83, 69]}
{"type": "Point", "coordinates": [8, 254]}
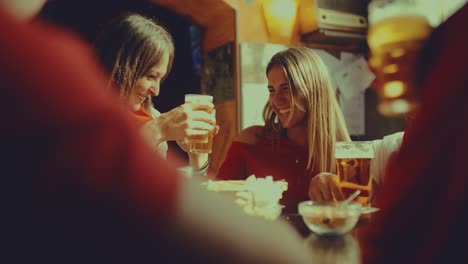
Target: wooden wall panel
{"type": "Point", "coordinates": [217, 17]}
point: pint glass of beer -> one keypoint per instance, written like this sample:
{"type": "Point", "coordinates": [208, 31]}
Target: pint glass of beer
{"type": "Point", "coordinates": [397, 30]}
{"type": "Point", "coordinates": [202, 142]}
{"type": "Point", "coordinates": [353, 168]}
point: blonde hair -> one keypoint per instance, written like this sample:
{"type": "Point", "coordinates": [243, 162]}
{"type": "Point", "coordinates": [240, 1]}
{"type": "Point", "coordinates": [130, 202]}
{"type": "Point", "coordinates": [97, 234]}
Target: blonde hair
{"type": "Point", "coordinates": [129, 46]}
{"type": "Point", "coordinates": [309, 82]}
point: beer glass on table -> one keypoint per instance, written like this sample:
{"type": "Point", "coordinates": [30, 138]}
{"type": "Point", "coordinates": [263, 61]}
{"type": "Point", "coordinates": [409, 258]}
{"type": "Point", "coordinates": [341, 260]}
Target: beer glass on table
{"type": "Point", "coordinates": [353, 167]}
{"type": "Point", "coordinates": [397, 31]}
{"type": "Point", "coordinates": [202, 142]}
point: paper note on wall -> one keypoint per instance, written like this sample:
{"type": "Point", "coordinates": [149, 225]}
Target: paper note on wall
{"type": "Point", "coordinates": [347, 57]}
{"type": "Point", "coordinates": [354, 77]}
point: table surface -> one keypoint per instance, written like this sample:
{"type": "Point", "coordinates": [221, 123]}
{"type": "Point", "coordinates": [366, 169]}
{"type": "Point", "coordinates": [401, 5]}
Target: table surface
{"type": "Point", "coordinates": [330, 249]}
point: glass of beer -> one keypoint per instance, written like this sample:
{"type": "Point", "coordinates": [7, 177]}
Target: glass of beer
{"type": "Point", "coordinates": [353, 167]}
{"type": "Point", "coordinates": [397, 30]}
{"type": "Point", "coordinates": [202, 142]}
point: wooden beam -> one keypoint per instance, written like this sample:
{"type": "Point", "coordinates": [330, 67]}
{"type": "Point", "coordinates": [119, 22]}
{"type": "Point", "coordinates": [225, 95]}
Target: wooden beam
{"type": "Point", "coordinates": [216, 17]}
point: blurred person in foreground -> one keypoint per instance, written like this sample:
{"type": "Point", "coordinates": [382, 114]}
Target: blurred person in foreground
{"type": "Point", "coordinates": [303, 121]}
{"type": "Point", "coordinates": [83, 187]}
{"type": "Point", "coordinates": [138, 54]}
{"type": "Point", "coordinates": [424, 200]}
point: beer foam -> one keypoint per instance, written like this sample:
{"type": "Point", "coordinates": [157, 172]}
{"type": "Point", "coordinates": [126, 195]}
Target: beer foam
{"type": "Point", "coordinates": [380, 10]}
{"type": "Point", "coordinates": [354, 150]}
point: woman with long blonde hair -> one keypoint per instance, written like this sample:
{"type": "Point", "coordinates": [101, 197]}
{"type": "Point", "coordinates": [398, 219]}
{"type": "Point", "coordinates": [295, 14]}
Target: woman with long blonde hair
{"type": "Point", "coordinates": [302, 123]}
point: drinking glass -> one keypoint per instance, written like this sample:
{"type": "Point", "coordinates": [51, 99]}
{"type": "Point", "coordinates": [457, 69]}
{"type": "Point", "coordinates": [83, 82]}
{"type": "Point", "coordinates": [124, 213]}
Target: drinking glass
{"type": "Point", "coordinates": [397, 30]}
{"type": "Point", "coordinates": [203, 142]}
{"type": "Point", "coordinates": [353, 167]}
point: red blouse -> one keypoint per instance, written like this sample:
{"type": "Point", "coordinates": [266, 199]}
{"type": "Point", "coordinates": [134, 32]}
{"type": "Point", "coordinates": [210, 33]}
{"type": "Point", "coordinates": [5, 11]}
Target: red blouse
{"type": "Point", "coordinates": [141, 117]}
{"type": "Point", "coordinates": [282, 159]}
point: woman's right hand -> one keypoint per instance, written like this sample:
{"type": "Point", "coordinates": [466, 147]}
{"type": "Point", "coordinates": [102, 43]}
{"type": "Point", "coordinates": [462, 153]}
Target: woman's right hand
{"type": "Point", "coordinates": [186, 120]}
{"type": "Point", "coordinates": [325, 187]}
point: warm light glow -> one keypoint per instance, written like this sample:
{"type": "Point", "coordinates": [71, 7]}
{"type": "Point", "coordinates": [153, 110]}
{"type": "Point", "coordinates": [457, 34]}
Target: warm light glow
{"type": "Point", "coordinates": [280, 16]}
{"type": "Point", "coordinates": [396, 107]}
{"type": "Point", "coordinates": [391, 68]}
{"type": "Point", "coordinates": [393, 89]}
{"type": "Point", "coordinates": [375, 62]}
{"type": "Point", "coordinates": [398, 52]}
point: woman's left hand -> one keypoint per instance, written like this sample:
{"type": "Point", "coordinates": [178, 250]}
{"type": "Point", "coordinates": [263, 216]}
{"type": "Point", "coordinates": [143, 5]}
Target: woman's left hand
{"type": "Point", "coordinates": [325, 187]}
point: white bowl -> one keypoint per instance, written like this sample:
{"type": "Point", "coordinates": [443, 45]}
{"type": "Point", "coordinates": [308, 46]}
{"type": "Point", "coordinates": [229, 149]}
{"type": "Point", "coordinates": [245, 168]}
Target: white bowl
{"type": "Point", "coordinates": [330, 218]}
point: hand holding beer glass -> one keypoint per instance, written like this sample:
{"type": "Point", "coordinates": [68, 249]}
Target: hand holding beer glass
{"type": "Point", "coordinates": [201, 142]}
{"type": "Point", "coordinates": [397, 30]}
{"type": "Point", "coordinates": [353, 168]}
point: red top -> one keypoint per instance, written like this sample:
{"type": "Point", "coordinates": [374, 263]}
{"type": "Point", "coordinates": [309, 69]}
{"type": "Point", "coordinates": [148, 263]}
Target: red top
{"type": "Point", "coordinates": [424, 201]}
{"type": "Point", "coordinates": [283, 160]}
{"type": "Point", "coordinates": [79, 183]}
{"type": "Point", "coordinates": [141, 117]}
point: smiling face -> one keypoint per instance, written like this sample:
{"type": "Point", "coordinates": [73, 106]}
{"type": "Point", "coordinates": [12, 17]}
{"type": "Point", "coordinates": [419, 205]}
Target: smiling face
{"type": "Point", "coordinates": [148, 85]}
{"type": "Point", "coordinates": [280, 99]}
{"type": "Point", "coordinates": [149, 52]}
